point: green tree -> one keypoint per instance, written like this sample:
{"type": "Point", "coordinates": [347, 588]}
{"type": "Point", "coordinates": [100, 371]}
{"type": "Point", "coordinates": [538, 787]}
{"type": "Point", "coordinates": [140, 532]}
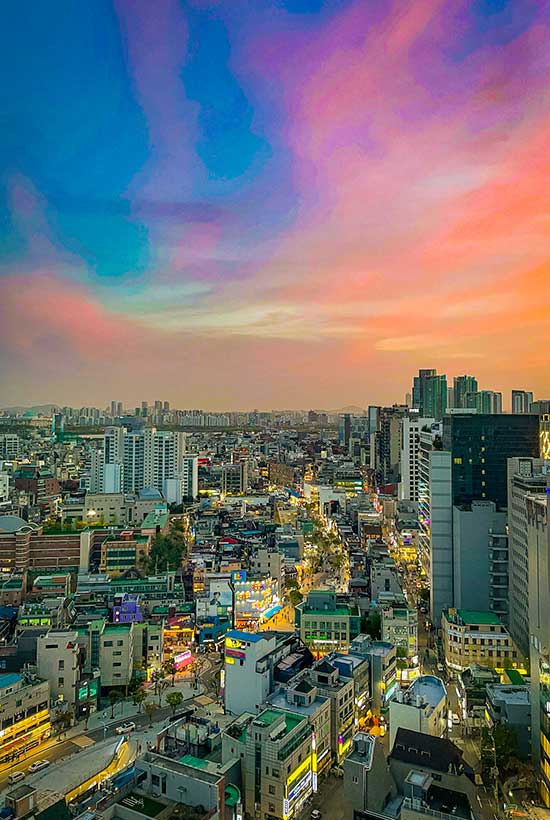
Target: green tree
{"type": "Point", "coordinates": [157, 676]}
{"type": "Point", "coordinates": [174, 700]}
{"type": "Point", "coordinates": [139, 698]}
{"type": "Point", "coordinates": [114, 697]}
{"type": "Point", "coordinates": [295, 597]}
{"type": "Point", "coordinates": [506, 745]}
{"type": "Point", "coordinates": [150, 709]}
{"type": "Point", "coordinates": [170, 669]}
{"type": "Point", "coordinates": [372, 625]}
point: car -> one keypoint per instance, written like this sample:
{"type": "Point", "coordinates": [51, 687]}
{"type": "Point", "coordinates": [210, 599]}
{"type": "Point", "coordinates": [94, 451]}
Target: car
{"type": "Point", "coordinates": [125, 728]}
{"type": "Point", "coordinates": [16, 777]}
{"type": "Point", "coordinates": [38, 766]}
{"type": "Point", "coordinates": [440, 667]}
{"type": "Point", "coordinates": [316, 814]}
{"type": "Point", "coordinates": [455, 719]}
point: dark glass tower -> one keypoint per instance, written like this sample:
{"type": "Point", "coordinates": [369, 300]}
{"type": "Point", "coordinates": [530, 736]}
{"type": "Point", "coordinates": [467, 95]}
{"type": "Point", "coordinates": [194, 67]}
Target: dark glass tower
{"type": "Point", "coordinates": [480, 446]}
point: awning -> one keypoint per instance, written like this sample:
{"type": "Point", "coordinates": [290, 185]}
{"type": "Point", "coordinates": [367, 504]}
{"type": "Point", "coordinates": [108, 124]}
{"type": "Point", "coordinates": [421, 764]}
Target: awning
{"type": "Point", "coordinates": [269, 613]}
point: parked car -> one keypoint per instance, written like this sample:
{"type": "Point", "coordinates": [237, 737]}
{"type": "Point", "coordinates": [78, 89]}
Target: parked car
{"type": "Point", "coordinates": [38, 766]}
{"type": "Point", "coordinates": [455, 719]}
{"type": "Point", "coordinates": [316, 814]}
{"type": "Point", "coordinates": [440, 667]}
{"type": "Point", "coordinates": [125, 728]}
{"type": "Point", "coordinates": [16, 777]}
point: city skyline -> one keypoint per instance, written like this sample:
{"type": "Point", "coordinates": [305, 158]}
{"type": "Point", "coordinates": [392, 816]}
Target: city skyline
{"type": "Point", "coordinates": [188, 203]}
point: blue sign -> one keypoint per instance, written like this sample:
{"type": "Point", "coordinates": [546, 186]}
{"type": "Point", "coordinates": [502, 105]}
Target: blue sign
{"type": "Point", "coordinates": [238, 576]}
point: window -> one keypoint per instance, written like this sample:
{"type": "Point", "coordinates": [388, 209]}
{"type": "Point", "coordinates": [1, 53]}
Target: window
{"type": "Point", "coordinates": [356, 780]}
{"type": "Point", "coordinates": [61, 681]}
{"type": "Point", "coordinates": [120, 643]}
{"type": "Point", "coordinates": [272, 790]}
{"type": "Point", "coordinates": [271, 806]}
{"type": "Point", "coordinates": [107, 643]}
{"type": "Point", "coordinates": [61, 665]}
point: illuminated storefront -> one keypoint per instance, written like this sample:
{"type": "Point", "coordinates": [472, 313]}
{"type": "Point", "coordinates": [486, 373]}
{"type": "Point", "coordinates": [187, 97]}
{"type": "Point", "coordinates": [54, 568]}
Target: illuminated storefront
{"type": "Point", "coordinates": [179, 635]}
{"type": "Point", "coordinates": [254, 599]}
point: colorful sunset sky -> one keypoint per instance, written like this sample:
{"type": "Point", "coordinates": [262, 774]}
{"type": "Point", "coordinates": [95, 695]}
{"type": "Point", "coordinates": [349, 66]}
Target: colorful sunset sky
{"type": "Point", "coordinates": [273, 203]}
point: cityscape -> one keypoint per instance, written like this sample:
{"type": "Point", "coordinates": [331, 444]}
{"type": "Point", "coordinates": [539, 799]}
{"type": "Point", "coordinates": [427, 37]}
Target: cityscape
{"type": "Point", "coordinates": [275, 410]}
{"type": "Point", "coordinates": [283, 614]}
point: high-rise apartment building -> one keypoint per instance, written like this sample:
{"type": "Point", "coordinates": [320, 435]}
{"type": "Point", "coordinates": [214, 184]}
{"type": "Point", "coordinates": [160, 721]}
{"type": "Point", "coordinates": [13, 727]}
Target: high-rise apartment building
{"type": "Point", "coordinates": [154, 458]}
{"type": "Point", "coordinates": [411, 427]}
{"type": "Point", "coordinates": [430, 394]}
{"type": "Point", "coordinates": [485, 401]}
{"type": "Point", "coordinates": [10, 446]}
{"type": "Point", "coordinates": [462, 386]}
{"type": "Point", "coordinates": [526, 479]}
{"type": "Point", "coordinates": [521, 401]}
{"type": "Point", "coordinates": [386, 443]}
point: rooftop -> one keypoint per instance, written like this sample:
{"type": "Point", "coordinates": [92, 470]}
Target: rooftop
{"type": "Point", "coordinates": [472, 616]}
{"type": "Point", "coordinates": [428, 687]}
{"type": "Point", "coordinates": [9, 679]}
{"type": "Point", "coordinates": [270, 716]}
{"type": "Point", "coordinates": [518, 695]}
{"type": "Point", "coordinates": [251, 637]}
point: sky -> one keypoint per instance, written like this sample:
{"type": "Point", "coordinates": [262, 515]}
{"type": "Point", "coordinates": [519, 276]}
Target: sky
{"type": "Point", "coordinates": [272, 203]}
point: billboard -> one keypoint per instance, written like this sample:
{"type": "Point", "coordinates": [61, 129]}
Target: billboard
{"type": "Point", "coordinates": [219, 600]}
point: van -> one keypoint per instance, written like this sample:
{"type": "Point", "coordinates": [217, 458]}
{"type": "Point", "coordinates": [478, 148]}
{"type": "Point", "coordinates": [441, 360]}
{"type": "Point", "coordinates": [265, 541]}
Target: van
{"type": "Point", "coordinates": [16, 777]}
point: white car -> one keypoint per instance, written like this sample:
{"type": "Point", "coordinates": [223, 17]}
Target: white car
{"type": "Point", "coordinates": [125, 728]}
{"type": "Point", "coordinates": [316, 814]}
{"type": "Point", "coordinates": [38, 766]}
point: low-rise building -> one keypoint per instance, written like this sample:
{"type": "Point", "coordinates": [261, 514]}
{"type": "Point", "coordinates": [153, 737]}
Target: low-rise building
{"type": "Point", "coordinates": [511, 705]}
{"type": "Point", "coordinates": [250, 662]}
{"type": "Point", "coordinates": [302, 697]}
{"type": "Point", "coordinates": [25, 711]}
{"type": "Point", "coordinates": [422, 707]}
{"type": "Point", "coordinates": [471, 637]}
{"type": "Point", "coordinates": [58, 660]}
{"type": "Point", "coordinates": [279, 764]}
{"type": "Point", "coordinates": [122, 552]}
{"type": "Point", "coordinates": [383, 670]}
{"type": "Point", "coordinates": [326, 624]}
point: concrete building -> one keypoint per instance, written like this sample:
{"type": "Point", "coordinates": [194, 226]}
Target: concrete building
{"type": "Point", "coordinates": [411, 427]}
{"type": "Point", "coordinates": [123, 509]}
{"type": "Point", "coordinates": [302, 697]}
{"type": "Point", "coordinates": [234, 478]}
{"type": "Point", "coordinates": [368, 786]}
{"type": "Point", "coordinates": [325, 624]}
{"type": "Point", "coordinates": [422, 707]}
{"type": "Point", "coordinates": [399, 626]}
{"type": "Point", "coordinates": [138, 459]}
{"type": "Point", "coordinates": [122, 552]}
{"type": "Point", "coordinates": [278, 755]}
{"type": "Point", "coordinates": [58, 660]}
{"type": "Point", "coordinates": [526, 477]}
{"type": "Point", "coordinates": [250, 662]}
{"type": "Point", "coordinates": [109, 648]}
{"type": "Point", "coordinates": [357, 669]}
{"type": "Point", "coordinates": [511, 705]}
{"type": "Point", "coordinates": [435, 517]}
{"type": "Point", "coordinates": [383, 670]}
{"type": "Point", "coordinates": [192, 780]}
{"type": "Point", "coordinates": [471, 637]}
{"type": "Point", "coordinates": [480, 540]}
{"type": "Point", "coordinates": [10, 446]}
{"type": "Point", "coordinates": [429, 393]}
{"type": "Point", "coordinates": [25, 710]}
{"type": "Point", "coordinates": [538, 539]}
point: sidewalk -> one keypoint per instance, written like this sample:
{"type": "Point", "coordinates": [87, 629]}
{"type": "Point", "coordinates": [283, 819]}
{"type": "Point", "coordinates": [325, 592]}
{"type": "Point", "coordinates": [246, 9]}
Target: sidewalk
{"type": "Point", "coordinates": [126, 710]}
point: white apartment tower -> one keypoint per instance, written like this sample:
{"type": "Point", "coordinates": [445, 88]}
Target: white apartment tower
{"type": "Point", "coordinates": [131, 461]}
{"type": "Point", "coordinates": [411, 427]}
